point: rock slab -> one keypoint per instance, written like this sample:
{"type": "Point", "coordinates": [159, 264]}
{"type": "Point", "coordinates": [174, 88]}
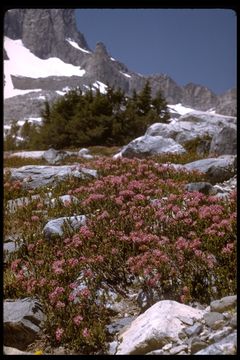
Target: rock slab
{"type": "Point", "coordinates": [36, 176]}
{"type": "Point", "coordinates": [55, 226]}
{"type": "Point", "coordinates": [156, 327]}
{"type": "Point", "coordinates": [22, 322]}
{"type": "Point", "coordinates": [148, 145]}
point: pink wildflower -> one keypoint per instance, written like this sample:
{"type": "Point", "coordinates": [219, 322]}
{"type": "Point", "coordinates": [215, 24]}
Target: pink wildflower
{"type": "Point", "coordinates": [119, 200]}
{"type": "Point", "coordinates": [31, 285]}
{"type": "Point", "coordinates": [71, 297]}
{"type": "Point", "coordinates": [93, 198]}
{"type": "Point", "coordinates": [39, 262]}
{"type": "Point", "coordinates": [59, 334]}
{"type": "Point", "coordinates": [30, 247]}
{"type": "Point", "coordinates": [72, 285]}
{"type": "Point", "coordinates": [59, 253]}
{"type": "Point", "coordinates": [20, 275]}
{"type": "Point", "coordinates": [114, 251]}
{"type": "Point", "coordinates": [88, 273]}
{"type": "Point", "coordinates": [72, 262]}
{"type": "Point", "coordinates": [60, 305]}
{"type": "Point", "coordinates": [104, 215]}
{"type": "Point", "coordinates": [85, 293]}
{"type": "Point", "coordinates": [53, 296]}
{"type": "Point", "coordinates": [42, 282]}
{"type": "Point", "coordinates": [99, 258]}
{"type": "Point", "coordinates": [181, 243]}
{"type": "Point", "coordinates": [67, 240]}
{"type": "Point", "coordinates": [77, 320]}
{"type": "Point", "coordinates": [228, 249]}
{"type": "Point", "coordinates": [40, 205]}
{"type": "Point", "coordinates": [58, 270]}
{"type": "Point", "coordinates": [67, 203]}
{"type": "Point", "coordinates": [183, 298]}
{"type": "Point", "coordinates": [84, 230]}
{"type": "Point", "coordinates": [35, 218]}
{"type": "Point", "coordinates": [76, 242]}
{"type": "Point", "coordinates": [15, 264]}
{"type": "Point", "coordinates": [185, 290]}
{"type": "Point", "coordinates": [86, 333]}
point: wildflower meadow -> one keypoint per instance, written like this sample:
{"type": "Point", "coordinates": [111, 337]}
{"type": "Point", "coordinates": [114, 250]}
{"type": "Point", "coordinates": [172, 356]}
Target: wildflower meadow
{"type": "Point", "coordinates": [143, 231]}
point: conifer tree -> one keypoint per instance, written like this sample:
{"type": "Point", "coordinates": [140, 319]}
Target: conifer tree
{"type": "Point", "coordinates": [160, 105]}
{"type": "Point", "coordinates": [144, 99]}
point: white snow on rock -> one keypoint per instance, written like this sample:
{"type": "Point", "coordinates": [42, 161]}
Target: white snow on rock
{"type": "Point", "coordinates": [35, 119]}
{"type": "Point", "coordinates": [63, 91]}
{"type": "Point", "coordinates": [74, 44]}
{"type": "Point", "coordinates": [149, 145]}
{"type": "Point", "coordinates": [59, 92]}
{"type": "Point", "coordinates": [127, 75]}
{"type": "Point", "coordinates": [101, 86]}
{"type": "Point", "coordinates": [19, 56]}
{"type": "Point", "coordinates": [21, 122]}
{"type": "Point", "coordinates": [179, 109]}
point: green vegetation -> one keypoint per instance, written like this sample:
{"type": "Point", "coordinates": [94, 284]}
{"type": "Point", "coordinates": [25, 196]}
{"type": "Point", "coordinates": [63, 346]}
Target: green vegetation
{"type": "Point", "coordinates": [182, 246]}
{"type": "Point", "coordinates": [92, 119]}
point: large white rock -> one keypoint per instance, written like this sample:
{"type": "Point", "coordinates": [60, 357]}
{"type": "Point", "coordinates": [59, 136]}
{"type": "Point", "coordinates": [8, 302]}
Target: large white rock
{"type": "Point", "coordinates": [34, 176]}
{"type": "Point", "coordinates": [85, 154]}
{"type": "Point", "coordinates": [216, 169]}
{"type": "Point", "coordinates": [7, 350]}
{"type": "Point", "coordinates": [22, 322]}
{"type": "Point", "coordinates": [224, 141]}
{"type": "Point", "coordinates": [157, 326]}
{"type": "Point", "coordinates": [55, 226]}
{"type": "Point", "coordinates": [151, 145]}
{"type": "Point", "coordinates": [192, 125]}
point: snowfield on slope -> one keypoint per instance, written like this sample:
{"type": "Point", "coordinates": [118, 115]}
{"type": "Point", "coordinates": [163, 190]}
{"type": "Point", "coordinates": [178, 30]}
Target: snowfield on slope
{"type": "Point", "coordinates": [24, 63]}
{"type": "Point", "coordinates": [74, 44]}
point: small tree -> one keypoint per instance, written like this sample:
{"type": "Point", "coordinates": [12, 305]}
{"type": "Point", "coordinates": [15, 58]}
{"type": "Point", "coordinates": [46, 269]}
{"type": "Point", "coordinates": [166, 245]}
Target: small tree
{"type": "Point", "coordinates": [160, 105]}
{"type": "Point", "coordinates": [10, 141]}
{"type": "Point", "coordinates": [144, 99]}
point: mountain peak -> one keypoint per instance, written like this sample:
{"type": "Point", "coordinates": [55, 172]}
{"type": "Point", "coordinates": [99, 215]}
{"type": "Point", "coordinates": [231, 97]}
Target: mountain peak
{"type": "Point", "coordinates": [101, 49]}
{"type": "Point", "coordinates": [45, 54]}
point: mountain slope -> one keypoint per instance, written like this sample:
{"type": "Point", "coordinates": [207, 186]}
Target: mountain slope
{"type": "Point", "coordinates": [45, 55]}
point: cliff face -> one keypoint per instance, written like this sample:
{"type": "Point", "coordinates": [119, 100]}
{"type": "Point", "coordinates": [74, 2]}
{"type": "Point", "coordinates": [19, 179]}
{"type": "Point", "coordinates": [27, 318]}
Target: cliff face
{"type": "Point", "coordinates": [52, 33]}
{"type": "Point", "coordinates": [45, 32]}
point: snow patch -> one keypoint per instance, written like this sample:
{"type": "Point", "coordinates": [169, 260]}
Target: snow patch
{"type": "Point", "coordinates": [66, 88]}
{"type": "Point", "coordinates": [180, 109]}
{"type": "Point", "coordinates": [74, 44]}
{"type": "Point", "coordinates": [59, 92]}
{"type": "Point", "coordinates": [101, 86]}
{"type": "Point", "coordinates": [21, 122]}
{"type": "Point", "coordinates": [35, 119]}
{"type": "Point", "coordinates": [211, 111]}
{"type": "Point", "coordinates": [127, 75]}
{"type": "Point", "coordinates": [24, 63]}
{"type": "Point", "coordinates": [63, 91]}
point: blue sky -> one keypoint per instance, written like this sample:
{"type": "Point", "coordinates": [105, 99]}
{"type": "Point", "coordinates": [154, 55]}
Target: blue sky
{"type": "Point", "coordinates": [189, 45]}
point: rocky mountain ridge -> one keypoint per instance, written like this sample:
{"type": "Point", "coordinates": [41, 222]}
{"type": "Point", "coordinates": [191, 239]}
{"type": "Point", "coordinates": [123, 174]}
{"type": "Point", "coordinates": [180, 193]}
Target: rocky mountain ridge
{"type": "Point", "coordinates": [52, 33]}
